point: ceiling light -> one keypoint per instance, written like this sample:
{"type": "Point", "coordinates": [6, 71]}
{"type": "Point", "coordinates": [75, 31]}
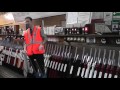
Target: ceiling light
{"type": "Point", "coordinates": [9, 16]}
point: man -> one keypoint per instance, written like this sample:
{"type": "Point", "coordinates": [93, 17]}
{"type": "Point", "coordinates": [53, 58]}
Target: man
{"type": "Point", "coordinates": [35, 39]}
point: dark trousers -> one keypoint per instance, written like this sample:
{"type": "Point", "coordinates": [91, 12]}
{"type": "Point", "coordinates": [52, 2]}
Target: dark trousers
{"type": "Point", "coordinates": [40, 62]}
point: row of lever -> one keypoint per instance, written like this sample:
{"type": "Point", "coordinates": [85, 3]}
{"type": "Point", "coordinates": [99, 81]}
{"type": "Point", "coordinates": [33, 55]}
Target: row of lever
{"type": "Point", "coordinates": [65, 61]}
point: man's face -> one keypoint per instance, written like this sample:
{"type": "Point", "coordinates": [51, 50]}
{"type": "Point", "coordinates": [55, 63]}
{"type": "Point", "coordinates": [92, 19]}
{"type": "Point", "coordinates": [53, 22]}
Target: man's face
{"type": "Point", "coordinates": [28, 23]}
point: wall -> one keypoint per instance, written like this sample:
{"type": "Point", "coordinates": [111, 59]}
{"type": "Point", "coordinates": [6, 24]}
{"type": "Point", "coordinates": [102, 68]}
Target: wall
{"type": "Point", "coordinates": [22, 25]}
{"type": "Point", "coordinates": [50, 21]}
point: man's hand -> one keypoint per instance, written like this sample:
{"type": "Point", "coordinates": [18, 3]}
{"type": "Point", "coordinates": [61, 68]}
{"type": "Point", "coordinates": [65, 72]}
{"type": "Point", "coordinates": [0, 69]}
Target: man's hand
{"type": "Point", "coordinates": [41, 46]}
{"type": "Point", "coordinates": [24, 51]}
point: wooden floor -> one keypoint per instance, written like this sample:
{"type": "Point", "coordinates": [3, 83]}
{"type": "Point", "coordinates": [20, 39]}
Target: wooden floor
{"type": "Point", "coordinates": [9, 73]}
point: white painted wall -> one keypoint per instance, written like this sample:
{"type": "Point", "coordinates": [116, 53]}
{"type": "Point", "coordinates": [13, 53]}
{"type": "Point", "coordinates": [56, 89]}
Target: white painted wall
{"type": "Point", "coordinates": [97, 15]}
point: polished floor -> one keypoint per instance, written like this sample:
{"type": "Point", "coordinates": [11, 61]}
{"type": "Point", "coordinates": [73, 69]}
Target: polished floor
{"type": "Point", "coordinates": [9, 73]}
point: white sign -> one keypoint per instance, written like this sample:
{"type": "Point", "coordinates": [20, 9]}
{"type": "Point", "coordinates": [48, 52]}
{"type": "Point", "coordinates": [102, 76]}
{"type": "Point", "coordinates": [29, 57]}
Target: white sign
{"type": "Point", "coordinates": [108, 22]}
{"type": "Point", "coordinates": [108, 16]}
{"type": "Point", "coordinates": [97, 15]}
{"type": "Point", "coordinates": [107, 29]}
{"type": "Point", "coordinates": [84, 18]}
{"type": "Point", "coordinates": [99, 27]}
{"type": "Point", "coordinates": [71, 17]}
{"type": "Point", "coordinates": [78, 18]}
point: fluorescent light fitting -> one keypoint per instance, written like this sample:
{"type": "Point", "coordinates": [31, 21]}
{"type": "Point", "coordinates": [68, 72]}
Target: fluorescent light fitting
{"type": "Point", "coordinates": [9, 16]}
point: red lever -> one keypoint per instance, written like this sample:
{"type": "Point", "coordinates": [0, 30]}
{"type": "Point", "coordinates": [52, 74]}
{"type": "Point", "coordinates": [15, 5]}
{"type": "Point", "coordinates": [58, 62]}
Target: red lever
{"type": "Point", "coordinates": [108, 68]}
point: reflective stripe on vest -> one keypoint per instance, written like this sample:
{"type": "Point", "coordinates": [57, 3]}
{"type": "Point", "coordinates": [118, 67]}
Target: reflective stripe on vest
{"type": "Point", "coordinates": [33, 43]}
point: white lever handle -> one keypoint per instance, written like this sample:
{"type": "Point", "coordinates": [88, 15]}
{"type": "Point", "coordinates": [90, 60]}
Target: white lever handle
{"type": "Point", "coordinates": [65, 68]}
{"type": "Point", "coordinates": [46, 62]}
{"type": "Point", "coordinates": [83, 70]}
{"type": "Point", "coordinates": [105, 75]}
{"type": "Point", "coordinates": [116, 76]}
{"type": "Point", "coordinates": [62, 67]}
{"type": "Point", "coordinates": [91, 72]}
{"type": "Point", "coordinates": [78, 72]}
{"type": "Point", "coordinates": [87, 71]}
{"type": "Point", "coordinates": [71, 69]}
{"type": "Point", "coordinates": [59, 66]}
{"type": "Point", "coordinates": [100, 75]}
{"type": "Point", "coordinates": [110, 76]}
{"type": "Point", "coordinates": [50, 64]}
{"type": "Point", "coordinates": [49, 61]}
{"type": "Point", "coordinates": [53, 64]}
{"type": "Point", "coordinates": [56, 65]}
{"type": "Point", "coordinates": [95, 74]}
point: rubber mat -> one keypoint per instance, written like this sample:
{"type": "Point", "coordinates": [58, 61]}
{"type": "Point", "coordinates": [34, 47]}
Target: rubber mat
{"type": "Point", "coordinates": [8, 73]}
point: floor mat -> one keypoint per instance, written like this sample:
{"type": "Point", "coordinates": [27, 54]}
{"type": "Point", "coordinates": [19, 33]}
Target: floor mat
{"type": "Point", "coordinates": [8, 73]}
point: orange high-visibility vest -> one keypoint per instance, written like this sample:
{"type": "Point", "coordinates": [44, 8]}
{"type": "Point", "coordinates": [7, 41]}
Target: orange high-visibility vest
{"type": "Point", "coordinates": [33, 41]}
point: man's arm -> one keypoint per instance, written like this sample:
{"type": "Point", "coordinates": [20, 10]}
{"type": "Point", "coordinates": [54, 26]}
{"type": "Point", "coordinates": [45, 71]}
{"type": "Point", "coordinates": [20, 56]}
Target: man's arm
{"type": "Point", "coordinates": [43, 36]}
{"type": "Point", "coordinates": [24, 47]}
{"type": "Point", "coordinates": [24, 42]}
